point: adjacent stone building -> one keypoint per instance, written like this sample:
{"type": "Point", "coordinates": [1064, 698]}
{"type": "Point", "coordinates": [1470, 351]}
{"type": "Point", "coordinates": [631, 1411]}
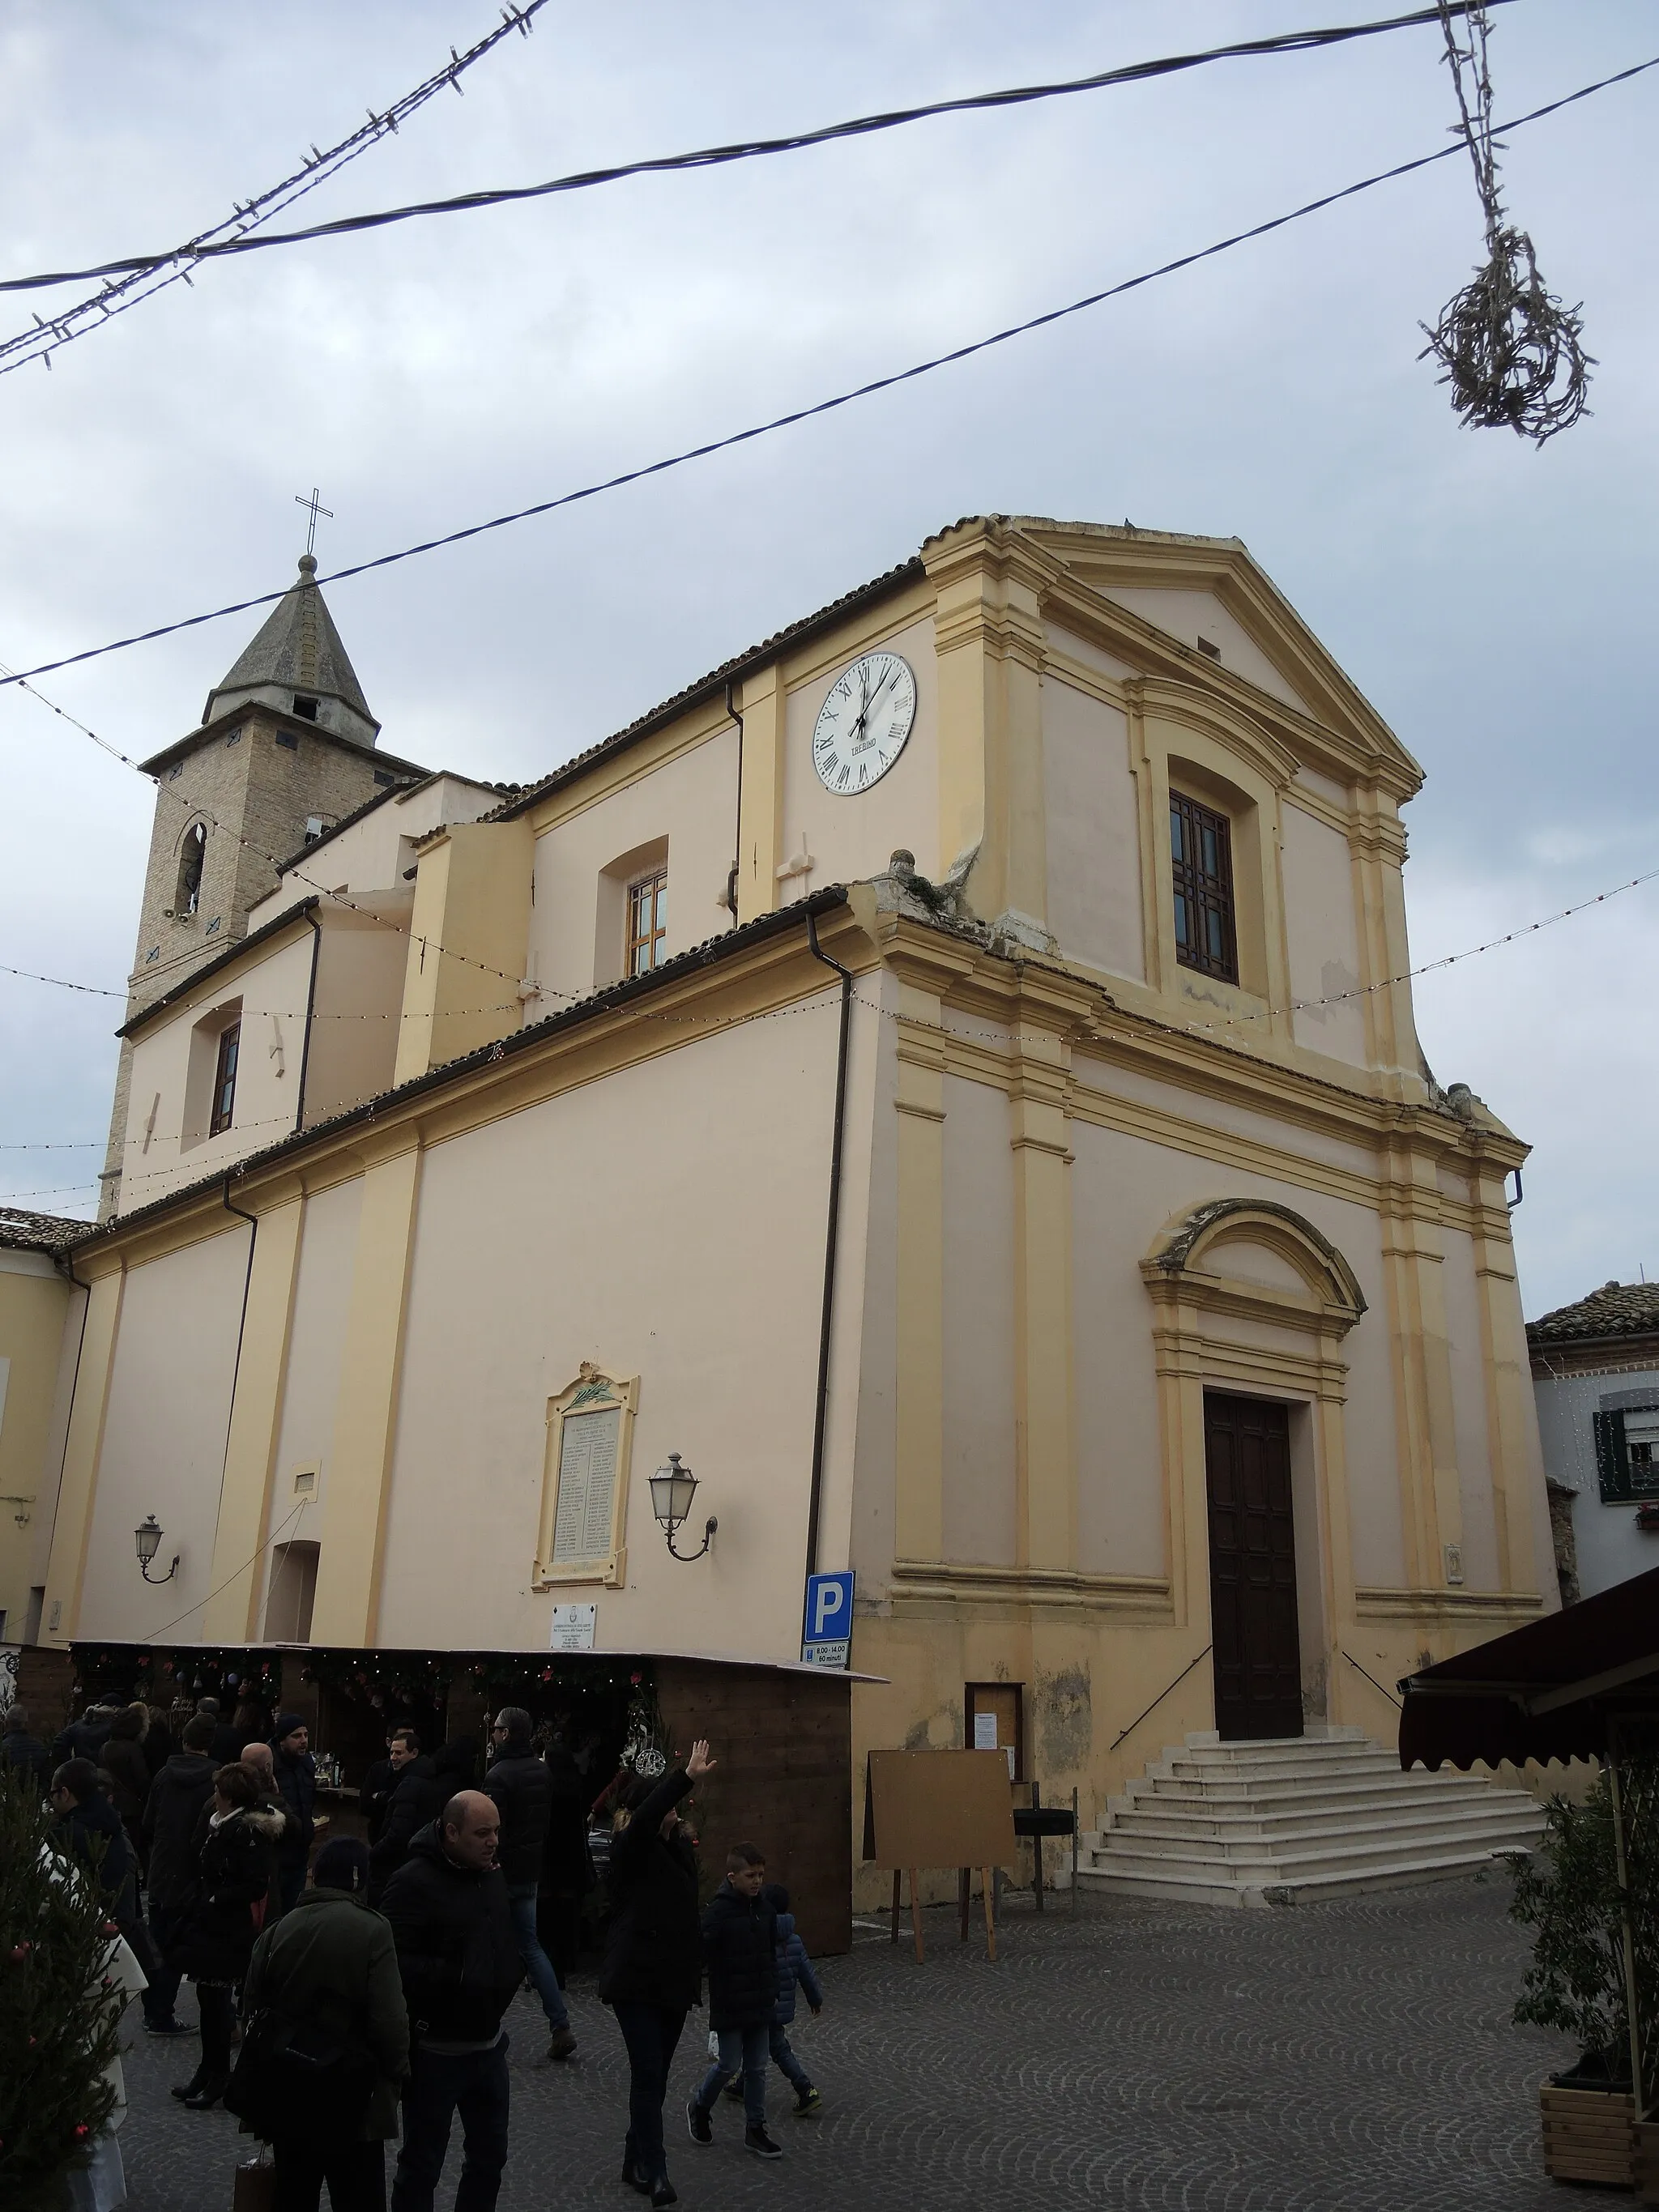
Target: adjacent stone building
{"type": "Point", "coordinates": [1595, 1375]}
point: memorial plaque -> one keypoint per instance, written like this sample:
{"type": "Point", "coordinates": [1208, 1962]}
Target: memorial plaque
{"type": "Point", "coordinates": [587, 1485]}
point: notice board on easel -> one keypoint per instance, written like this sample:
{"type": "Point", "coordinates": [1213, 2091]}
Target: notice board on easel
{"type": "Point", "coordinates": [939, 1808]}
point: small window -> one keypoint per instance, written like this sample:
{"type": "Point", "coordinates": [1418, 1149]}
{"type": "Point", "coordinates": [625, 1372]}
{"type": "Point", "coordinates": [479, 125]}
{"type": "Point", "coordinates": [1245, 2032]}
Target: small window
{"type": "Point", "coordinates": [224, 1079]}
{"type": "Point", "coordinates": [648, 922]}
{"type": "Point", "coordinates": [1201, 860]}
{"type": "Point", "coordinates": [288, 739]}
{"type": "Point", "coordinates": [304, 708]}
{"type": "Point", "coordinates": [1208, 646]}
{"type": "Point", "coordinates": [383, 782]}
{"type": "Point", "coordinates": [193, 857]}
{"type": "Point", "coordinates": [234, 736]}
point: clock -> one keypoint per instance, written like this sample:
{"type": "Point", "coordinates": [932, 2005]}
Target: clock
{"type": "Point", "coordinates": [863, 724]}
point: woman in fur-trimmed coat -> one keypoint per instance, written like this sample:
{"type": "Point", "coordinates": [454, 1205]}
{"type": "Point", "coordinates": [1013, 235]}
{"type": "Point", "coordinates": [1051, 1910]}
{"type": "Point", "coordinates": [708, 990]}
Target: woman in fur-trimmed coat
{"type": "Point", "coordinates": [238, 1867]}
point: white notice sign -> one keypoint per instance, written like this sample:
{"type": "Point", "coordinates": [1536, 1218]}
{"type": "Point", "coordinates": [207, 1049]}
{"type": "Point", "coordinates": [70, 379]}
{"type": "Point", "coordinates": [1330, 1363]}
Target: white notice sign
{"type": "Point", "coordinates": [573, 1627]}
{"type": "Point", "coordinates": [587, 1484]}
{"type": "Point", "coordinates": [985, 1731]}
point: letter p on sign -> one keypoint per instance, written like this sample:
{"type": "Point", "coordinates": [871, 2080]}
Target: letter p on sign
{"type": "Point", "coordinates": [827, 1631]}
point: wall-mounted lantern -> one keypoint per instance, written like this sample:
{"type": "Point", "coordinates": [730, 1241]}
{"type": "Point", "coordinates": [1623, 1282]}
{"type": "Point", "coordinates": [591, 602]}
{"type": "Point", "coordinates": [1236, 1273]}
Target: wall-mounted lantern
{"type": "Point", "coordinates": [672, 1489]}
{"type": "Point", "coordinates": [148, 1537]}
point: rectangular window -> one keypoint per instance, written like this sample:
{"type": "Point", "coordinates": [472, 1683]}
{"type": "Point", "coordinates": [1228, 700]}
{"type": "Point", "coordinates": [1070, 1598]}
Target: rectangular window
{"type": "Point", "coordinates": [224, 1079]}
{"type": "Point", "coordinates": [648, 922]}
{"type": "Point", "coordinates": [1200, 853]}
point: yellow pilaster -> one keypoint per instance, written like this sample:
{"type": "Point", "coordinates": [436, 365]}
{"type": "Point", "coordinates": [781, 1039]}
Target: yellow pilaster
{"type": "Point", "coordinates": [1512, 1409]}
{"type": "Point", "coordinates": [762, 699]}
{"type": "Point", "coordinates": [230, 1615]}
{"type": "Point", "coordinates": [919, 1513]}
{"type": "Point", "coordinates": [60, 1613]}
{"type": "Point", "coordinates": [1433, 1504]}
{"type": "Point", "coordinates": [1045, 1452]}
{"type": "Point", "coordinates": [360, 1461]}
{"type": "Point", "coordinates": [989, 637]}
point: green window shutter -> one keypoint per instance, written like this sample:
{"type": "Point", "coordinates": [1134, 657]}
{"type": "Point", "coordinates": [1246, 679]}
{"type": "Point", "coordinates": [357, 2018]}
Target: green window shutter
{"type": "Point", "coordinates": [1612, 1459]}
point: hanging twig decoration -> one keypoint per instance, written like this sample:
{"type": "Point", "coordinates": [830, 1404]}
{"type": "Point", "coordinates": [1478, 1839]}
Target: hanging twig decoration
{"type": "Point", "coordinates": [1511, 351]}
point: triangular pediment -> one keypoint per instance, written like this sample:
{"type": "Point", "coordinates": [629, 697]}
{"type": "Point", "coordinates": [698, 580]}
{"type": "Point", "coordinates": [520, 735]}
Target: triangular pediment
{"type": "Point", "coordinates": [1210, 597]}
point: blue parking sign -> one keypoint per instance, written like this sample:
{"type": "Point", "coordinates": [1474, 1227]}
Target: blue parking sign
{"type": "Point", "coordinates": [827, 1631]}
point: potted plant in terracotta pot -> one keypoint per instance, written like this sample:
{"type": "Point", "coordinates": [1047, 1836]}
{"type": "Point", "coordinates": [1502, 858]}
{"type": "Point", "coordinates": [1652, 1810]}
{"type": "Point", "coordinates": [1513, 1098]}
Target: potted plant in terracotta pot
{"type": "Point", "coordinates": [1568, 1895]}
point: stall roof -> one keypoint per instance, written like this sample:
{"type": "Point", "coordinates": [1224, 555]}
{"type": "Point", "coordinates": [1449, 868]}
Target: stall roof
{"type": "Point", "coordinates": [1547, 1691]}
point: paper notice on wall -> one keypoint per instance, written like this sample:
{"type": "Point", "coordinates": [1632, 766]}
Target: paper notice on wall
{"type": "Point", "coordinates": [985, 1731]}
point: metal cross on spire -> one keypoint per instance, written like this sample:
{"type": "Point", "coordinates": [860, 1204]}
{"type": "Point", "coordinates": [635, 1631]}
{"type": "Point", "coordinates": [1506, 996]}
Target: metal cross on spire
{"type": "Point", "coordinates": [316, 507]}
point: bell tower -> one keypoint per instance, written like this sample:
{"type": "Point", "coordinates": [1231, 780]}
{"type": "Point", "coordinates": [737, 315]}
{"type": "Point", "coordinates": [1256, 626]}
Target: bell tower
{"type": "Point", "coordinates": [286, 747]}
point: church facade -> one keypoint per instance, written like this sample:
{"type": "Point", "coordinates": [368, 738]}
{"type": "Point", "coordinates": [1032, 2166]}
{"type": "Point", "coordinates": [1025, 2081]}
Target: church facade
{"type": "Point", "coordinates": [949, 1075]}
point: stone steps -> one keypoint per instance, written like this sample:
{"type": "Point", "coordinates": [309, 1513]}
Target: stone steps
{"type": "Point", "coordinates": [1267, 1822]}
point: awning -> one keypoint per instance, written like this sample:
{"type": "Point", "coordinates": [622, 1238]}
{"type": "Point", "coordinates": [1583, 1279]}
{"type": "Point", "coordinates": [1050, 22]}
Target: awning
{"type": "Point", "coordinates": [1547, 1691]}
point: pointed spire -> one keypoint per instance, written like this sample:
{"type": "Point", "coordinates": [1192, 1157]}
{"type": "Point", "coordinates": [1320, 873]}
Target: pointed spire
{"type": "Point", "coordinates": [298, 665]}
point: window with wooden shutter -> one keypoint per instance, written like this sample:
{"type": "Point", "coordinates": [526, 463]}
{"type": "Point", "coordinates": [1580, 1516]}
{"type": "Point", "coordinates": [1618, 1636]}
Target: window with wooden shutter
{"type": "Point", "coordinates": [224, 1079]}
{"type": "Point", "coordinates": [1201, 863]}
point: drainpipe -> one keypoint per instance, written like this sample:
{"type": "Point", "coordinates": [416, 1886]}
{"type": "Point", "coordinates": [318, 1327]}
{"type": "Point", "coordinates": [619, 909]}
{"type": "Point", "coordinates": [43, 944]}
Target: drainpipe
{"type": "Point", "coordinates": [305, 1044]}
{"type": "Point", "coordinates": [821, 1411]}
{"type": "Point", "coordinates": [731, 880]}
{"type": "Point", "coordinates": [68, 1259]}
{"type": "Point", "coordinates": [242, 1214]}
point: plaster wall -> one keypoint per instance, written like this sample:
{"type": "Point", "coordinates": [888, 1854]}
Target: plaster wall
{"type": "Point", "coordinates": [1322, 933]}
{"type": "Point", "coordinates": [873, 1527]}
{"type": "Point", "coordinates": [1610, 1547]}
{"type": "Point", "coordinates": [690, 800]}
{"type": "Point", "coordinates": [851, 839]}
{"type": "Point", "coordinates": [172, 1071]}
{"type": "Point", "coordinates": [695, 1261]}
{"type": "Point", "coordinates": [372, 853]}
{"type": "Point", "coordinates": [1191, 616]}
{"type": "Point", "coordinates": [311, 1388]}
{"type": "Point", "coordinates": [1199, 1122]}
{"type": "Point", "coordinates": [1093, 832]}
{"type": "Point", "coordinates": [1059, 641]}
{"type": "Point", "coordinates": [358, 1012]}
{"type": "Point", "coordinates": [979, 1488]}
{"type": "Point", "coordinates": [35, 1313]}
{"type": "Point", "coordinates": [164, 1439]}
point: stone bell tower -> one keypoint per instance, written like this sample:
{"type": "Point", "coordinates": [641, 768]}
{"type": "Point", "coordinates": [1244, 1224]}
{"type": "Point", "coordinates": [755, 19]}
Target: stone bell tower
{"type": "Point", "coordinates": [286, 747]}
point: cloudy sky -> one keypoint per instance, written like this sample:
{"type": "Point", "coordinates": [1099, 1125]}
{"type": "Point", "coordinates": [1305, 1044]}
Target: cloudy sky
{"type": "Point", "coordinates": [1494, 601]}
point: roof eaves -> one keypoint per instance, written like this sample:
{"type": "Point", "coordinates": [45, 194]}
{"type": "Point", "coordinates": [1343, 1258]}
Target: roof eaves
{"type": "Point", "coordinates": [49, 1233]}
{"type": "Point", "coordinates": [232, 952]}
{"type": "Point", "coordinates": [205, 732]}
{"type": "Point", "coordinates": [705, 955]}
{"type": "Point", "coordinates": [756, 656]}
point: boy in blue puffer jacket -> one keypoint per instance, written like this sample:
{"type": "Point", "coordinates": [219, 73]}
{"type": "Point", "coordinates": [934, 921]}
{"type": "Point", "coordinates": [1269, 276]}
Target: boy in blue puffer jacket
{"type": "Point", "coordinates": [794, 1970]}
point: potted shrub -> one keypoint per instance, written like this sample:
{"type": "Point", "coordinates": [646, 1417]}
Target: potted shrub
{"type": "Point", "coordinates": [1568, 1895]}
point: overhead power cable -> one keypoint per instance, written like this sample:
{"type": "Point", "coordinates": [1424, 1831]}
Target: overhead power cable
{"type": "Point", "coordinates": [840, 399]}
{"type": "Point", "coordinates": [749, 150]}
{"type": "Point", "coordinates": [133, 289]}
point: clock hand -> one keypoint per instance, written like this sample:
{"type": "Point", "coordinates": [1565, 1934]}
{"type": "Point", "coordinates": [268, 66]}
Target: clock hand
{"type": "Point", "coordinates": [869, 703]}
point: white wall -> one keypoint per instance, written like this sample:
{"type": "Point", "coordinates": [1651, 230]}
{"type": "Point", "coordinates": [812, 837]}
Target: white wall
{"type": "Point", "coordinates": [372, 853]}
{"type": "Point", "coordinates": [1610, 1547]}
{"type": "Point", "coordinates": [1093, 832]}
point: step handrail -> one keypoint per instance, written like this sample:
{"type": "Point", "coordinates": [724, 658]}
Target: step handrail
{"type": "Point", "coordinates": [1159, 1698]}
{"type": "Point", "coordinates": [1372, 1680]}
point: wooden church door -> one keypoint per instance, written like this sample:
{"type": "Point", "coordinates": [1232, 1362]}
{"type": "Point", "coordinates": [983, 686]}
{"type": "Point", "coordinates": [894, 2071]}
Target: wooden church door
{"type": "Point", "coordinates": [1256, 1649]}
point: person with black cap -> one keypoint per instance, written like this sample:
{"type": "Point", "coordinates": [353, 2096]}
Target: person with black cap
{"type": "Point", "coordinates": [295, 1772]}
{"type": "Point", "coordinates": [326, 2043]}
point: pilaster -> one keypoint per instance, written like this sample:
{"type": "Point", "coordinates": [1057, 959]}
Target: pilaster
{"type": "Point", "coordinates": [1045, 1447]}
{"type": "Point", "coordinates": [919, 1513]}
{"type": "Point", "coordinates": [242, 1532]}
{"type": "Point", "coordinates": [1517, 1459]}
{"type": "Point", "coordinates": [761, 700]}
{"type": "Point", "coordinates": [347, 1606]}
{"type": "Point", "coordinates": [1413, 1258]}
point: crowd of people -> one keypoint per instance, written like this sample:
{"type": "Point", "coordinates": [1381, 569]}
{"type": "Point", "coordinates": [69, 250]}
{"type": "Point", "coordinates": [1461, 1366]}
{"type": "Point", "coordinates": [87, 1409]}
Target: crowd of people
{"type": "Point", "coordinates": [367, 1981]}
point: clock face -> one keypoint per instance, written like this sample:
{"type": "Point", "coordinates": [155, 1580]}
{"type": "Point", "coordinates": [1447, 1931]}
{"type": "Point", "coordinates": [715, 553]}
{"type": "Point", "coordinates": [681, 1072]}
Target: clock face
{"type": "Point", "coordinates": [863, 724]}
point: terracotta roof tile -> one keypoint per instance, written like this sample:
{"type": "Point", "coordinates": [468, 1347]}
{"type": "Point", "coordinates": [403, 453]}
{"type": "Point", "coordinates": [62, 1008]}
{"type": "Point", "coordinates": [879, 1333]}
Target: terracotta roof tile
{"type": "Point", "coordinates": [1616, 1309]}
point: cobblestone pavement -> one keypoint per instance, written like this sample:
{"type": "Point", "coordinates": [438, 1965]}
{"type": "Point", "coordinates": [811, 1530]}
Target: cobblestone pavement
{"type": "Point", "coordinates": [1352, 2057]}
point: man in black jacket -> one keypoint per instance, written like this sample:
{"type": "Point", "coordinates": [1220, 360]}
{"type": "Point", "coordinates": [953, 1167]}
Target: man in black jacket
{"type": "Point", "coordinates": [522, 1789]}
{"type": "Point", "coordinates": [739, 1942]}
{"type": "Point", "coordinates": [416, 1798]}
{"type": "Point", "coordinates": [88, 1828]}
{"type": "Point", "coordinates": [86, 1738]}
{"type": "Point", "coordinates": [21, 1748]}
{"type": "Point", "coordinates": [458, 1957]}
{"type": "Point", "coordinates": [178, 1798]}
